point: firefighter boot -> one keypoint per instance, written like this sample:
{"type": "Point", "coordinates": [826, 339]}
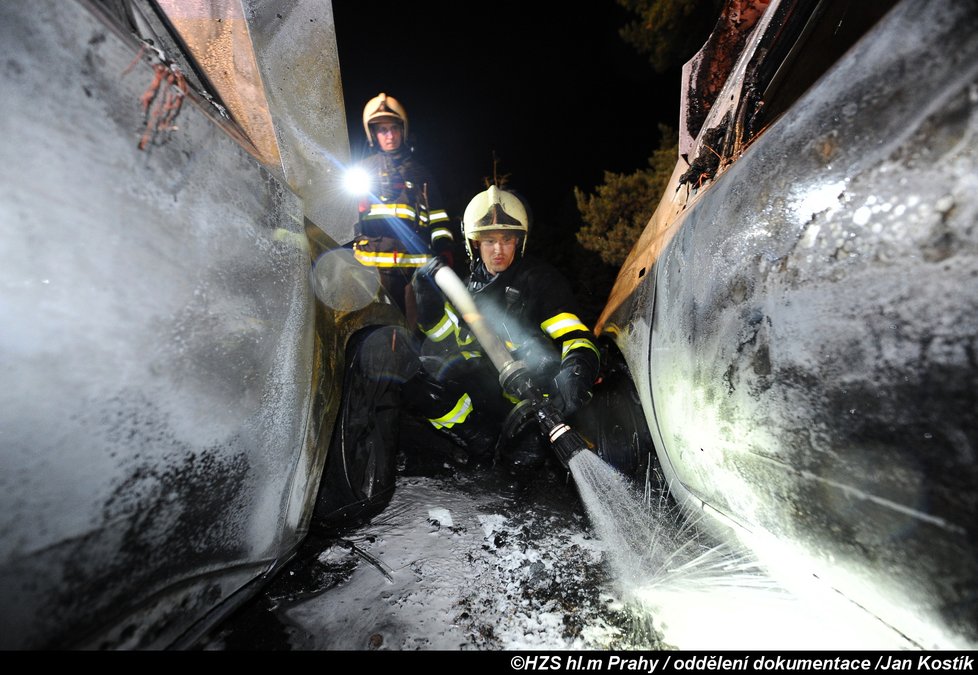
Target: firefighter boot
{"type": "Point", "coordinates": [478, 440]}
{"type": "Point", "coordinates": [526, 452]}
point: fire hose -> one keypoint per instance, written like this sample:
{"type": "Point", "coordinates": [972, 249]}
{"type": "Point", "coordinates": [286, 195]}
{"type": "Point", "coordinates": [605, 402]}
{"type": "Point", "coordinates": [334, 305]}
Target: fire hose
{"type": "Point", "coordinates": [514, 377]}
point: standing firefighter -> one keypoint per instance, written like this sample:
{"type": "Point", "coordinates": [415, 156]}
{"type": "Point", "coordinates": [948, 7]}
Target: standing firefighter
{"type": "Point", "coordinates": [530, 306]}
{"type": "Point", "coordinates": [402, 222]}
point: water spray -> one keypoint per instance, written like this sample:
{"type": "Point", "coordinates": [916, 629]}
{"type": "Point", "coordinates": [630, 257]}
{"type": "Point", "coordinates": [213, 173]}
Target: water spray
{"type": "Point", "coordinates": [514, 377]}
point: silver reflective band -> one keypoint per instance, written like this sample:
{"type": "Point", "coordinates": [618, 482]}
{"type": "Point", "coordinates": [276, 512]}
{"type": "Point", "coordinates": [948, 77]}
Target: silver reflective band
{"type": "Point", "coordinates": [558, 431]}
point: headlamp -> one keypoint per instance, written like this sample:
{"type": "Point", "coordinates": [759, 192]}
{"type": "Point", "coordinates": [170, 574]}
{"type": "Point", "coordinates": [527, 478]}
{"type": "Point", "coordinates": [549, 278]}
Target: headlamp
{"type": "Point", "coordinates": [356, 181]}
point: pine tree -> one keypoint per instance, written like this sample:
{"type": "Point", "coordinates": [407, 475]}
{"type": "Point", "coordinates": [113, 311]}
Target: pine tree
{"type": "Point", "coordinates": [618, 211]}
{"type": "Point", "coordinates": [669, 31]}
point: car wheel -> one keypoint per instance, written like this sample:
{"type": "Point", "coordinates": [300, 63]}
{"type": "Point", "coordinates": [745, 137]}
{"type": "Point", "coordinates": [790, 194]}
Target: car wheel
{"type": "Point", "coordinates": [615, 423]}
{"type": "Point", "coordinates": [358, 479]}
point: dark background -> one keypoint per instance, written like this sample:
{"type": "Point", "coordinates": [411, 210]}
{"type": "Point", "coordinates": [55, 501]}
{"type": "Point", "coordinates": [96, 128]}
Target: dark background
{"type": "Point", "coordinates": [549, 87]}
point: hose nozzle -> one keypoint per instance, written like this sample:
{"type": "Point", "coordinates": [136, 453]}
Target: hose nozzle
{"type": "Point", "coordinates": [513, 375]}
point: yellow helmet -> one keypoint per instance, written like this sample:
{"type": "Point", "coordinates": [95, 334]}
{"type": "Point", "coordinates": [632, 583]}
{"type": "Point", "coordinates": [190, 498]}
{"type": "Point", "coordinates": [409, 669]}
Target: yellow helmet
{"type": "Point", "coordinates": [383, 107]}
{"type": "Point", "coordinates": [494, 210]}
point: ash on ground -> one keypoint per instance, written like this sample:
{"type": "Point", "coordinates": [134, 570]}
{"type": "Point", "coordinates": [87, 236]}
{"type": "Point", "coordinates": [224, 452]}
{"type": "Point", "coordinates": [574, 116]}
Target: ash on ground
{"type": "Point", "coordinates": [461, 559]}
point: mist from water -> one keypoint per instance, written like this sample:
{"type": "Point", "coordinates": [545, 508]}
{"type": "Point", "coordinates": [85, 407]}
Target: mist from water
{"type": "Point", "coordinates": [692, 592]}
{"type": "Point", "coordinates": [649, 541]}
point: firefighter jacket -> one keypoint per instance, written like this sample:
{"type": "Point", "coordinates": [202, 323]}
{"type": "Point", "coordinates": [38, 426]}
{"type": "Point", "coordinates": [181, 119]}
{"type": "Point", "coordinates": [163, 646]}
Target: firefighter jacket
{"type": "Point", "coordinates": [530, 306]}
{"type": "Point", "coordinates": [402, 222]}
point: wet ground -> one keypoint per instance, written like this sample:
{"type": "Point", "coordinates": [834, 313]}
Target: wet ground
{"type": "Point", "coordinates": [461, 559]}
{"type": "Point", "coordinates": [473, 558]}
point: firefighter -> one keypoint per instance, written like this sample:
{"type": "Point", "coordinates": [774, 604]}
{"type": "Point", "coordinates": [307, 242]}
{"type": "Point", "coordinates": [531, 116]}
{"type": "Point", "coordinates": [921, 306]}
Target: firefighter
{"type": "Point", "coordinates": [402, 222]}
{"type": "Point", "coordinates": [530, 306]}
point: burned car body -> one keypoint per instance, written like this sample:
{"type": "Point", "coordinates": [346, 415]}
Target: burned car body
{"type": "Point", "coordinates": [799, 317]}
{"type": "Point", "coordinates": [171, 384]}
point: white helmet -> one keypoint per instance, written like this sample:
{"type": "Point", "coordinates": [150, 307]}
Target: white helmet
{"type": "Point", "coordinates": [494, 210]}
{"type": "Point", "coordinates": [380, 108]}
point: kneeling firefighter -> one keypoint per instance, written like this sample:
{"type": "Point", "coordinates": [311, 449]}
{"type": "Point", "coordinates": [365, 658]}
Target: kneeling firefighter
{"type": "Point", "coordinates": [529, 305]}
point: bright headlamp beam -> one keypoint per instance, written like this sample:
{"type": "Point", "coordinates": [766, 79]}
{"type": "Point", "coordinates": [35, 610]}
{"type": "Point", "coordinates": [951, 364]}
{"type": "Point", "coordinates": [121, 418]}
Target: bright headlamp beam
{"type": "Point", "coordinates": [356, 181]}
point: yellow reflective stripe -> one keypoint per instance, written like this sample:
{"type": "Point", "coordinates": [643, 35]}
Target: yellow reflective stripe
{"type": "Point", "coordinates": [437, 216]}
{"type": "Point", "coordinates": [440, 331]}
{"type": "Point", "coordinates": [440, 232]}
{"type": "Point", "coordinates": [562, 324]}
{"type": "Point", "coordinates": [388, 210]}
{"type": "Point", "coordinates": [580, 343]}
{"type": "Point", "coordinates": [454, 416]}
{"type": "Point", "coordinates": [471, 355]}
{"type": "Point", "coordinates": [390, 259]}
{"type": "Point", "coordinates": [445, 326]}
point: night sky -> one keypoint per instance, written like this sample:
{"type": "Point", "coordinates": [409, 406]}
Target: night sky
{"type": "Point", "coordinates": [549, 86]}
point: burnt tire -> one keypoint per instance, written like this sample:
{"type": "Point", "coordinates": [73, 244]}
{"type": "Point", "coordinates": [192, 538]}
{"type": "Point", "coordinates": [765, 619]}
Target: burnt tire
{"type": "Point", "coordinates": [615, 424]}
{"type": "Point", "coordinates": [361, 463]}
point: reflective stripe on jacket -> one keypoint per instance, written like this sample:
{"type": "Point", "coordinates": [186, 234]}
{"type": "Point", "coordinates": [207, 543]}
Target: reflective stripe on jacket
{"type": "Point", "coordinates": [529, 301]}
{"type": "Point", "coordinates": [402, 222]}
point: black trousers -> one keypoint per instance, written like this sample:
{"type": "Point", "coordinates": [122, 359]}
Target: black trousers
{"type": "Point", "coordinates": [397, 283]}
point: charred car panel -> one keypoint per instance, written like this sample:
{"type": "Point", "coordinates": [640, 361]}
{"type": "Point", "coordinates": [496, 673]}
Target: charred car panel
{"type": "Point", "coordinates": [800, 323]}
{"type": "Point", "coordinates": [167, 399]}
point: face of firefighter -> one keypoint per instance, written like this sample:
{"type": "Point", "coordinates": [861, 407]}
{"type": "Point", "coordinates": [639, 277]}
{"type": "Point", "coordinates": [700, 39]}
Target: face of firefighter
{"type": "Point", "coordinates": [389, 134]}
{"type": "Point", "coordinates": [498, 249]}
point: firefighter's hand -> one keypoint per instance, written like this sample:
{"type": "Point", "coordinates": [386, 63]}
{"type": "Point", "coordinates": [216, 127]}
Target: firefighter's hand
{"type": "Point", "coordinates": [427, 295]}
{"type": "Point", "coordinates": [427, 271]}
{"type": "Point", "coordinates": [448, 258]}
{"type": "Point", "coordinates": [573, 385]}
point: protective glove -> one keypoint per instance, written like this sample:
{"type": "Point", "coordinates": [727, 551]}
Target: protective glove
{"type": "Point", "coordinates": [573, 382]}
{"type": "Point", "coordinates": [427, 271]}
{"type": "Point", "coordinates": [427, 295]}
{"type": "Point", "coordinates": [540, 355]}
